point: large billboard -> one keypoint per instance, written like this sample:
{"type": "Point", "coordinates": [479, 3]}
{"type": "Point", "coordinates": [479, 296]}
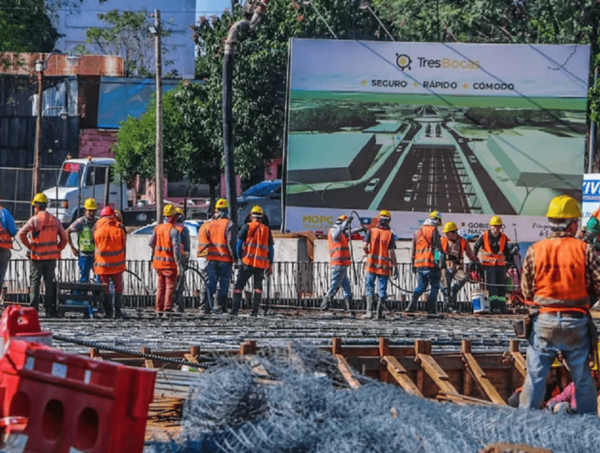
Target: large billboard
{"type": "Point", "coordinates": [470, 130]}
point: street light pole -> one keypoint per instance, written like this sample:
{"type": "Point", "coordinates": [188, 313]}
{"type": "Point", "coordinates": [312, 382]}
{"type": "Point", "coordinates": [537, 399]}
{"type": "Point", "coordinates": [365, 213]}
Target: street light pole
{"type": "Point", "coordinates": [159, 135]}
{"type": "Point", "coordinates": [37, 157]}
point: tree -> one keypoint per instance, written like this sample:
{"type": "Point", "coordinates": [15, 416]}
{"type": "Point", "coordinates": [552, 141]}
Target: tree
{"type": "Point", "coordinates": [259, 81]}
{"type": "Point", "coordinates": [25, 26]}
{"type": "Point", "coordinates": [189, 151]}
{"type": "Point", "coordinates": [127, 35]}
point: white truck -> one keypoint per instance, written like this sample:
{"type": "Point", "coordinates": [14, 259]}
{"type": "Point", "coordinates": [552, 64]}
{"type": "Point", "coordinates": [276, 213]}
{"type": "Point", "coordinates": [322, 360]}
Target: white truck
{"type": "Point", "coordinates": [80, 179]}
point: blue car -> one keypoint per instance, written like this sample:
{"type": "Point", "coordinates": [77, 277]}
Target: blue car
{"type": "Point", "coordinates": [267, 195]}
{"type": "Point", "coordinates": [193, 226]}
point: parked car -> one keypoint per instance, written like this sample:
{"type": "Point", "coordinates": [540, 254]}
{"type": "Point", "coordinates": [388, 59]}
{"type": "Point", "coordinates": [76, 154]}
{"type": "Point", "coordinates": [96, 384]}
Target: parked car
{"type": "Point", "coordinates": [473, 159]}
{"type": "Point", "coordinates": [408, 195]}
{"type": "Point", "coordinates": [193, 226]}
{"type": "Point", "coordinates": [416, 178]}
{"type": "Point", "coordinates": [267, 195]}
{"type": "Point", "coordinates": [460, 140]}
{"type": "Point", "coordinates": [372, 184]}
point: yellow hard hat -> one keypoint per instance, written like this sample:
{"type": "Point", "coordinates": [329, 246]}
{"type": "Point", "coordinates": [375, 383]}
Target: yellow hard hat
{"type": "Point", "coordinates": [179, 211]}
{"type": "Point", "coordinates": [450, 226]}
{"type": "Point", "coordinates": [496, 221]}
{"type": "Point", "coordinates": [436, 215]}
{"type": "Point", "coordinates": [385, 214]}
{"type": "Point", "coordinates": [169, 210]}
{"type": "Point", "coordinates": [342, 218]}
{"type": "Point", "coordinates": [39, 198]}
{"type": "Point", "coordinates": [90, 204]}
{"type": "Point", "coordinates": [119, 216]}
{"type": "Point", "coordinates": [222, 203]}
{"type": "Point", "coordinates": [563, 207]}
{"type": "Point", "coordinates": [257, 210]}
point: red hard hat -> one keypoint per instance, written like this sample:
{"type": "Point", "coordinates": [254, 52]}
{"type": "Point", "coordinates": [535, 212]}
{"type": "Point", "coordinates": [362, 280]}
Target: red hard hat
{"type": "Point", "coordinates": [107, 211]}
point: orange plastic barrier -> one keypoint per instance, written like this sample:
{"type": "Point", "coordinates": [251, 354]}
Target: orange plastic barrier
{"type": "Point", "coordinates": [22, 324]}
{"type": "Point", "coordinates": [72, 403]}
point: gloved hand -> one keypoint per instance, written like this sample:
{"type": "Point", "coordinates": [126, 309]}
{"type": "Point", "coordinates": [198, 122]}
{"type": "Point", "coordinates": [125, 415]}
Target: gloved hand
{"type": "Point", "coordinates": [350, 219]}
{"type": "Point", "coordinates": [238, 264]}
{"type": "Point", "coordinates": [396, 273]}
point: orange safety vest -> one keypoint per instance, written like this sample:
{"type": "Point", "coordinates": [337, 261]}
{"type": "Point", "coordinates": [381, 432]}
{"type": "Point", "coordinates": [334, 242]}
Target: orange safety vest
{"type": "Point", "coordinates": [378, 258]}
{"type": "Point", "coordinates": [203, 240]}
{"type": "Point", "coordinates": [488, 258]}
{"type": "Point", "coordinates": [560, 271]}
{"type": "Point", "coordinates": [109, 238]}
{"type": "Point", "coordinates": [164, 257]}
{"type": "Point", "coordinates": [339, 251]}
{"type": "Point", "coordinates": [257, 246]}
{"type": "Point", "coordinates": [462, 248]}
{"type": "Point", "coordinates": [217, 245]}
{"type": "Point", "coordinates": [5, 239]}
{"type": "Point", "coordinates": [424, 256]}
{"type": "Point", "coordinates": [44, 245]}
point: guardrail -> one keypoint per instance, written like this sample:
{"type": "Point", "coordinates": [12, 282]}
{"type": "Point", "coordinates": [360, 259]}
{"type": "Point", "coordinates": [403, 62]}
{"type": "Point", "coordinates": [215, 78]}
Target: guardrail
{"type": "Point", "coordinates": [293, 284]}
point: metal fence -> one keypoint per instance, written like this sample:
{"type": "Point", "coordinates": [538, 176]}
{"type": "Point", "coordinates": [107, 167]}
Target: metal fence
{"type": "Point", "coordinates": [293, 284]}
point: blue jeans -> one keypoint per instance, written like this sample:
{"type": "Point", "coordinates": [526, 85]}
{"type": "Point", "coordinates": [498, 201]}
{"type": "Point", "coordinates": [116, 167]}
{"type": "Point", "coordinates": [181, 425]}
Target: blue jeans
{"type": "Point", "coordinates": [4, 259]}
{"type": "Point", "coordinates": [381, 287]}
{"type": "Point", "coordinates": [219, 272]}
{"type": "Point", "coordinates": [570, 336]}
{"type": "Point", "coordinates": [339, 276]}
{"type": "Point", "coordinates": [86, 262]}
{"type": "Point", "coordinates": [428, 276]}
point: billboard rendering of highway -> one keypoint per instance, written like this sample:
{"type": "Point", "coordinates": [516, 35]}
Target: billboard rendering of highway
{"type": "Point", "coordinates": [469, 130]}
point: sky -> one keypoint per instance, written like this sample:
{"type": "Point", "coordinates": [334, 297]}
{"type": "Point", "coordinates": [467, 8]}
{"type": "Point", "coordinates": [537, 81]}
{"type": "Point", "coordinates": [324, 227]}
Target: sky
{"type": "Point", "coordinates": [211, 5]}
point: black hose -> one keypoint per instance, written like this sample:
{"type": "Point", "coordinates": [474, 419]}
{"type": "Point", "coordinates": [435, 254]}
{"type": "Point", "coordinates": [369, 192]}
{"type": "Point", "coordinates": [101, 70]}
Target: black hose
{"type": "Point", "coordinates": [93, 344]}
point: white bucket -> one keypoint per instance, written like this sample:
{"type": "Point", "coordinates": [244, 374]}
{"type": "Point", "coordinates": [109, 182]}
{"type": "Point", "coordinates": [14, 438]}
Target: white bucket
{"type": "Point", "coordinates": [481, 301]}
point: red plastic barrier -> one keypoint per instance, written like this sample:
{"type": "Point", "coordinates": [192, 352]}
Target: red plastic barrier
{"type": "Point", "coordinates": [73, 403]}
{"type": "Point", "coordinates": [22, 323]}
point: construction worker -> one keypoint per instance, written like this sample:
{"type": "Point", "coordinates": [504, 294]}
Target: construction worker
{"type": "Point", "coordinates": [493, 246]}
{"type": "Point", "coordinates": [45, 237]}
{"type": "Point", "coordinates": [218, 239]}
{"type": "Point", "coordinates": [379, 245]}
{"type": "Point", "coordinates": [8, 230]}
{"type": "Point", "coordinates": [185, 256]}
{"type": "Point", "coordinates": [560, 274]}
{"type": "Point", "coordinates": [109, 262]}
{"type": "Point", "coordinates": [454, 246]}
{"type": "Point", "coordinates": [166, 246]}
{"type": "Point", "coordinates": [202, 254]}
{"type": "Point", "coordinates": [255, 247]}
{"type": "Point", "coordinates": [85, 241]}
{"type": "Point", "coordinates": [339, 260]}
{"type": "Point", "coordinates": [426, 243]}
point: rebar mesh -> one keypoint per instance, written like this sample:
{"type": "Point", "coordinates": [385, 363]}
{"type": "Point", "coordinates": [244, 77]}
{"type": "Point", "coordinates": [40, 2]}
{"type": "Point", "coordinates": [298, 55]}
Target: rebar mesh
{"type": "Point", "coordinates": [304, 410]}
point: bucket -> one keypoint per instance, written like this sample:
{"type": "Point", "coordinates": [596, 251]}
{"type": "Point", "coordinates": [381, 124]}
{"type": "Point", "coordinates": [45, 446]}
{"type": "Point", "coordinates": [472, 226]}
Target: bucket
{"type": "Point", "coordinates": [481, 301]}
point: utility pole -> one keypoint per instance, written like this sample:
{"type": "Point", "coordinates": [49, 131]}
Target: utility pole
{"type": "Point", "coordinates": [253, 15]}
{"type": "Point", "coordinates": [159, 135]}
{"type": "Point", "coordinates": [592, 141]}
{"type": "Point", "coordinates": [37, 157]}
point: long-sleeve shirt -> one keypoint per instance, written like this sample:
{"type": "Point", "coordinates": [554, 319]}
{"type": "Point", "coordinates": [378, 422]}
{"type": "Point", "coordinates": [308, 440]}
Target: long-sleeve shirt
{"type": "Point", "coordinates": [7, 222]}
{"type": "Point", "coordinates": [566, 396]}
{"type": "Point", "coordinates": [185, 240]}
{"type": "Point", "coordinates": [175, 240]}
{"type": "Point", "coordinates": [33, 225]}
{"type": "Point", "coordinates": [342, 228]}
{"type": "Point", "coordinates": [494, 244]}
{"type": "Point", "coordinates": [242, 238]}
{"type": "Point", "coordinates": [592, 270]}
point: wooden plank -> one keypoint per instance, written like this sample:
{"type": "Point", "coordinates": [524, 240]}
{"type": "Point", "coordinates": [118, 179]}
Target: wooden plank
{"type": "Point", "coordinates": [462, 399]}
{"type": "Point", "coordinates": [479, 375]}
{"type": "Point", "coordinates": [347, 372]}
{"type": "Point", "coordinates": [148, 363]}
{"type": "Point", "coordinates": [511, 448]}
{"type": "Point", "coordinates": [436, 373]}
{"type": "Point", "coordinates": [336, 346]}
{"type": "Point", "coordinates": [519, 362]}
{"type": "Point", "coordinates": [384, 350]}
{"type": "Point", "coordinates": [400, 374]}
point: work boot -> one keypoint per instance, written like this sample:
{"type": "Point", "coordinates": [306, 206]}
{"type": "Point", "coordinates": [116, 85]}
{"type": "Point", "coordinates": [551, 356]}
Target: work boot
{"type": "Point", "coordinates": [431, 306]}
{"type": "Point", "coordinates": [218, 310]}
{"type": "Point", "coordinates": [380, 308]}
{"type": "Point", "coordinates": [256, 298]}
{"type": "Point", "coordinates": [326, 302]}
{"type": "Point", "coordinates": [348, 301]}
{"type": "Point", "coordinates": [206, 305]}
{"type": "Point", "coordinates": [237, 298]}
{"type": "Point", "coordinates": [222, 302]}
{"type": "Point", "coordinates": [369, 313]}
{"type": "Point", "coordinates": [413, 304]}
{"type": "Point", "coordinates": [108, 309]}
{"type": "Point", "coordinates": [118, 305]}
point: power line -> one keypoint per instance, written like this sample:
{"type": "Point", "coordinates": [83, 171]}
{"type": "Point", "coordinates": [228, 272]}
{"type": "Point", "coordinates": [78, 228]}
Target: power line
{"type": "Point", "coordinates": [75, 10]}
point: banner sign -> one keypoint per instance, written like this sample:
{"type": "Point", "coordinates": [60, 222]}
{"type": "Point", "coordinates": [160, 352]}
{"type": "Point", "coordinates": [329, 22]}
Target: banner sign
{"type": "Point", "coordinates": [590, 196]}
{"type": "Point", "coordinates": [470, 130]}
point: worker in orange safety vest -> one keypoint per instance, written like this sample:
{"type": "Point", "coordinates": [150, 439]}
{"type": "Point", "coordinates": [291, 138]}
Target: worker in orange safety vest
{"type": "Point", "coordinates": [560, 276]}
{"type": "Point", "coordinates": [184, 233]}
{"type": "Point", "coordinates": [379, 245]}
{"type": "Point", "coordinates": [426, 244]}
{"type": "Point", "coordinates": [109, 259]}
{"type": "Point", "coordinates": [255, 248]}
{"type": "Point", "coordinates": [45, 237]}
{"type": "Point", "coordinates": [8, 230]}
{"type": "Point", "coordinates": [166, 259]}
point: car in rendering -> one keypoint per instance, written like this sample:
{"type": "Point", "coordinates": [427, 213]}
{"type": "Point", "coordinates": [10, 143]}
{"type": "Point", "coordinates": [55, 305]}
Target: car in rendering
{"type": "Point", "coordinates": [267, 195]}
{"type": "Point", "coordinates": [473, 159]}
{"type": "Point", "coordinates": [408, 195]}
{"type": "Point", "coordinates": [461, 140]}
{"type": "Point", "coordinates": [416, 178]}
{"type": "Point", "coordinates": [193, 226]}
{"type": "Point", "coordinates": [372, 184]}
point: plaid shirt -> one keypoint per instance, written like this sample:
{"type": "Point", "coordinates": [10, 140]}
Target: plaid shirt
{"type": "Point", "coordinates": [592, 270]}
